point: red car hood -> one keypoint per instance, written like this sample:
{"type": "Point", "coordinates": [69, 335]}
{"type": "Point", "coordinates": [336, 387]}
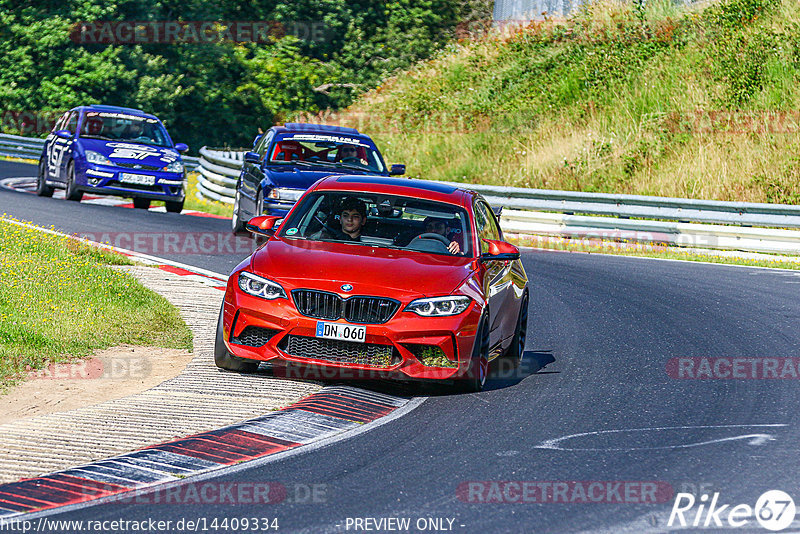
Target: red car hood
{"type": "Point", "coordinates": [370, 270]}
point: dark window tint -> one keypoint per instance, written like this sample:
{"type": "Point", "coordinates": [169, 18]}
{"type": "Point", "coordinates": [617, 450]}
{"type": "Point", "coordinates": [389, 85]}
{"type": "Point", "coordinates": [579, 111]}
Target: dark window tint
{"type": "Point", "coordinates": [486, 225]}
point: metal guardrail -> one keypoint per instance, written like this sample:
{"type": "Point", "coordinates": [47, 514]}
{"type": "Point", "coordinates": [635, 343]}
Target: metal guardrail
{"type": "Point", "coordinates": [219, 170]}
{"type": "Point", "coordinates": [674, 221]}
{"type": "Point", "coordinates": [16, 146]}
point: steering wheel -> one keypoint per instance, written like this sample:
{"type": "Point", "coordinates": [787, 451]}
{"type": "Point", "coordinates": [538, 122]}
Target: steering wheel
{"type": "Point", "coordinates": [352, 160]}
{"type": "Point", "coordinates": [335, 232]}
{"type": "Point", "coordinates": [430, 236]}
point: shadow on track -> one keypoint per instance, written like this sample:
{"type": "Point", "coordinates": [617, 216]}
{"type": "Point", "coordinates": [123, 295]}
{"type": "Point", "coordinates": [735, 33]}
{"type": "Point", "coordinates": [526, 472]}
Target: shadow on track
{"type": "Point", "coordinates": [502, 374]}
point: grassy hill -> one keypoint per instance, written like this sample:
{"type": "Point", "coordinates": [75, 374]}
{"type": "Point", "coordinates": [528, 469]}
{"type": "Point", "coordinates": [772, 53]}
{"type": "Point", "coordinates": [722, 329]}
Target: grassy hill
{"type": "Point", "coordinates": [654, 100]}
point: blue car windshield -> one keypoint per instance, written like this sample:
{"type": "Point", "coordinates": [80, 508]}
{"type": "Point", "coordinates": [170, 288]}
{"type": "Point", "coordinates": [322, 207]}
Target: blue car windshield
{"type": "Point", "coordinates": [330, 150]}
{"type": "Point", "coordinates": [123, 127]}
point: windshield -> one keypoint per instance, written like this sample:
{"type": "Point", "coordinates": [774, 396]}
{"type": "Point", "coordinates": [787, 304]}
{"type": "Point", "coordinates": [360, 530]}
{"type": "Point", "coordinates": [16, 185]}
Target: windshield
{"type": "Point", "coordinates": [385, 221]}
{"type": "Point", "coordinates": [353, 153]}
{"type": "Point", "coordinates": [124, 127]}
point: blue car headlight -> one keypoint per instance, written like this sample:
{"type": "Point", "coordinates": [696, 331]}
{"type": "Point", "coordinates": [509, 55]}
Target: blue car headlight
{"type": "Point", "coordinates": [260, 287]}
{"type": "Point", "coordinates": [175, 166]}
{"type": "Point", "coordinates": [97, 158]}
{"type": "Point", "coordinates": [439, 306]}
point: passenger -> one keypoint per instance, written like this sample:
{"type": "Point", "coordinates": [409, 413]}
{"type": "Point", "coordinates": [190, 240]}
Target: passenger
{"type": "Point", "coordinates": [434, 225]}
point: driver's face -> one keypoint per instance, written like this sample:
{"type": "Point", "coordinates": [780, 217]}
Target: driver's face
{"type": "Point", "coordinates": [352, 221]}
{"type": "Point", "coordinates": [349, 152]}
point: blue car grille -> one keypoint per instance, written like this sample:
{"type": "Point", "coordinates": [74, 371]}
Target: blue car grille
{"type": "Point", "coordinates": [138, 166]}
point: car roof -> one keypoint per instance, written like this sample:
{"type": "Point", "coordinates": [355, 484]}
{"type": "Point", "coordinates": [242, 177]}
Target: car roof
{"type": "Point", "coordinates": [315, 128]}
{"type": "Point", "coordinates": [116, 109]}
{"type": "Point", "coordinates": [423, 189]}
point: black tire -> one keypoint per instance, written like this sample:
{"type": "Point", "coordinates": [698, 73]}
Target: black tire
{"type": "Point", "coordinates": [474, 379]}
{"type": "Point", "coordinates": [224, 359]}
{"type": "Point", "coordinates": [174, 207]}
{"type": "Point", "coordinates": [72, 192]}
{"type": "Point", "coordinates": [42, 189]}
{"type": "Point", "coordinates": [141, 203]}
{"type": "Point", "coordinates": [517, 348]}
{"type": "Point", "coordinates": [237, 225]}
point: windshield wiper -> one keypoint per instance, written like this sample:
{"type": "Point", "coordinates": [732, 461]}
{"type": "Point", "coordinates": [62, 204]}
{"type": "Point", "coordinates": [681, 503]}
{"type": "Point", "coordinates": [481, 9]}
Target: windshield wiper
{"type": "Point", "coordinates": [353, 166]}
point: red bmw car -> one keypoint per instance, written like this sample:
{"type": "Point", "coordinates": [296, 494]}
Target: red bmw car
{"type": "Point", "coordinates": [384, 276]}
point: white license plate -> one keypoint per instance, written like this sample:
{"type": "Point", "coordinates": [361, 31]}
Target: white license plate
{"type": "Point", "coordinates": [138, 179]}
{"type": "Point", "coordinates": [343, 332]}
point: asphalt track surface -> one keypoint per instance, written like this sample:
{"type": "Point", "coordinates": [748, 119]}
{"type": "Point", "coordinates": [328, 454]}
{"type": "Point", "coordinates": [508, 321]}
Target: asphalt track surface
{"type": "Point", "coordinates": [602, 330]}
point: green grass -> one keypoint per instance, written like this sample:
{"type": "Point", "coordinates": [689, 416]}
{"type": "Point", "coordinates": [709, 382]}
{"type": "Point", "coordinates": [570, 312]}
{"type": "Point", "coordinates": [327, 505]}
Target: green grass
{"type": "Point", "coordinates": [206, 206]}
{"type": "Point", "coordinates": [60, 300]}
{"type": "Point", "coordinates": [665, 101]}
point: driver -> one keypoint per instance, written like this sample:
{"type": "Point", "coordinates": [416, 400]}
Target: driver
{"type": "Point", "coordinates": [434, 225]}
{"type": "Point", "coordinates": [136, 131]}
{"type": "Point", "coordinates": [352, 217]}
{"type": "Point", "coordinates": [349, 154]}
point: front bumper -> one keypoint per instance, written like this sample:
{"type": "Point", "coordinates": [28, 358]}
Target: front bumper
{"type": "Point", "coordinates": [397, 342]}
{"type": "Point", "coordinates": [105, 180]}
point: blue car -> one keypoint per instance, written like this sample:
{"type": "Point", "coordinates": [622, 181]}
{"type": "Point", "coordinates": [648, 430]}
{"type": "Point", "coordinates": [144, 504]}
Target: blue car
{"type": "Point", "coordinates": [288, 159]}
{"type": "Point", "coordinates": [109, 150]}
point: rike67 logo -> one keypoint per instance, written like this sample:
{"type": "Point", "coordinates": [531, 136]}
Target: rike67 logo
{"type": "Point", "coordinates": [774, 510]}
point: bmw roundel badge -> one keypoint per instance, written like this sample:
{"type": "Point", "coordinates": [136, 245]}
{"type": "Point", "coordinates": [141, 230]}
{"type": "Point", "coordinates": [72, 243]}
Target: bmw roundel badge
{"type": "Point", "coordinates": [347, 287]}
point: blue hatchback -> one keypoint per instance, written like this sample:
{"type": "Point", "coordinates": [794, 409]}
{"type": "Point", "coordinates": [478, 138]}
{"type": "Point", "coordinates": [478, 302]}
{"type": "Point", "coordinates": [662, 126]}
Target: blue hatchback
{"type": "Point", "coordinates": [289, 159]}
{"type": "Point", "coordinates": [109, 150]}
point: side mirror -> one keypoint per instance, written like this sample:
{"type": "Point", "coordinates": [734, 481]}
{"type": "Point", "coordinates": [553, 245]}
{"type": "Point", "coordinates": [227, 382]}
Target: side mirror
{"type": "Point", "coordinates": [181, 147]}
{"type": "Point", "coordinates": [499, 251]}
{"type": "Point", "coordinates": [397, 170]}
{"type": "Point", "coordinates": [264, 224]}
{"type": "Point", "coordinates": [257, 139]}
{"type": "Point", "coordinates": [64, 134]}
{"type": "Point", "coordinates": [251, 157]}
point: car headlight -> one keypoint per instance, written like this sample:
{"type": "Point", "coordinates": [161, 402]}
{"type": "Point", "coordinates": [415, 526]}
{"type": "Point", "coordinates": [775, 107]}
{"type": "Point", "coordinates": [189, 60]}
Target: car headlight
{"type": "Point", "coordinates": [175, 166]}
{"type": "Point", "coordinates": [286, 193]}
{"type": "Point", "coordinates": [260, 287]}
{"type": "Point", "coordinates": [97, 158]}
{"type": "Point", "coordinates": [439, 306]}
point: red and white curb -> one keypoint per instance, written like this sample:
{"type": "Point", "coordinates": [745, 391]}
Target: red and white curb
{"type": "Point", "coordinates": [27, 184]}
{"type": "Point", "coordinates": [335, 412]}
